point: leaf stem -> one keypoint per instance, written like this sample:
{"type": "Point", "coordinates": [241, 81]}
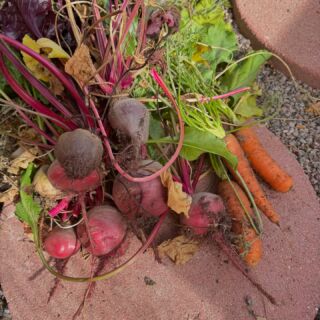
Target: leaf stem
{"type": "Point", "coordinates": [37, 84]}
{"type": "Point", "coordinates": [56, 72]}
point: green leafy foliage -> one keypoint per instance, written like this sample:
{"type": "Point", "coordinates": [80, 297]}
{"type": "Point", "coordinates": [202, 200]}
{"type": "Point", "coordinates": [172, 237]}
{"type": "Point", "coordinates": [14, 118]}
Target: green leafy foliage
{"type": "Point", "coordinates": [208, 12]}
{"type": "Point", "coordinates": [222, 42]}
{"type": "Point", "coordinates": [27, 209]}
{"type": "Point", "coordinates": [244, 73]}
{"type": "Point", "coordinates": [198, 142]}
{"type": "Point", "coordinates": [218, 166]}
{"type": "Point", "coordinates": [205, 117]}
{"type": "Point", "coordinates": [14, 72]}
{"type": "Point", "coordinates": [156, 131]}
{"type": "Point", "coordinates": [247, 107]}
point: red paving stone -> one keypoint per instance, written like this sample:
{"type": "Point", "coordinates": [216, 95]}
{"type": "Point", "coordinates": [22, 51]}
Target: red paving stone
{"type": "Point", "coordinates": [207, 288]}
{"type": "Point", "coordinates": [289, 28]}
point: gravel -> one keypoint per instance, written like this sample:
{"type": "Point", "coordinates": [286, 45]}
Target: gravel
{"type": "Point", "coordinates": [297, 128]}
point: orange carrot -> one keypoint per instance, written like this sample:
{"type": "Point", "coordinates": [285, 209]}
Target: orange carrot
{"type": "Point", "coordinates": [249, 244]}
{"type": "Point", "coordinates": [262, 162]}
{"type": "Point", "coordinates": [250, 247]}
{"type": "Point", "coordinates": [233, 205]}
{"type": "Point", "coordinates": [250, 179]}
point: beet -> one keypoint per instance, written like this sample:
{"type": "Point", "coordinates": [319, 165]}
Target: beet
{"type": "Point", "coordinates": [59, 179]}
{"type": "Point", "coordinates": [61, 243]}
{"type": "Point", "coordinates": [79, 152]}
{"type": "Point", "coordinates": [144, 198]}
{"type": "Point", "coordinates": [130, 118]}
{"type": "Point", "coordinates": [107, 229]}
{"type": "Point", "coordinates": [203, 213]}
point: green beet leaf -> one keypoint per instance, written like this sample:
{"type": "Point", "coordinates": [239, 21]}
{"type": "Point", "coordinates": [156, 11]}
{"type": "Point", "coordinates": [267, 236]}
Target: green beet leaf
{"type": "Point", "coordinates": [244, 73]}
{"type": "Point", "coordinates": [27, 209]}
{"type": "Point", "coordinates": [197, 142]}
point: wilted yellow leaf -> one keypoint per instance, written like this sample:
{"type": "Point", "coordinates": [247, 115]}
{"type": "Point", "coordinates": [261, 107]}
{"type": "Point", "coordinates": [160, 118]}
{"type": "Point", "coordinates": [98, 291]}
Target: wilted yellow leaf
{"type": "Point", "coordinates": [22, 159]}
{"type": "Point", "coordinates": [178, 200]}
{"type": "Point", "coordinates": [80, 65]}
{"type": "Point", "coordinates": [201, 48]}
{"type": "Point", "coordinates": [49, 48]}
{"type": "Point", "coordinates": [53, 50]}
{"type": "Point", "coordinates": [32, 64]}
{"type": "Point", "coordinates": [180, 249]}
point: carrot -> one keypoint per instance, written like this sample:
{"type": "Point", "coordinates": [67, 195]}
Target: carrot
{"type": "Point", "coordinates": [262, 162]}
{"type": "Point", "coordinates": [250, 247]}
{"type": "Point", "coordinates": [250, 179]}
{"type": "Point", "coordinates": [233, 205]}
{"type": "Point", "coordinates": [249, 244]}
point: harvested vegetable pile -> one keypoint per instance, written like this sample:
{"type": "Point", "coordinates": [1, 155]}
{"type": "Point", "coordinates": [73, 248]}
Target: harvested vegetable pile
{"type": "Point", "coordinates": [133, 112]}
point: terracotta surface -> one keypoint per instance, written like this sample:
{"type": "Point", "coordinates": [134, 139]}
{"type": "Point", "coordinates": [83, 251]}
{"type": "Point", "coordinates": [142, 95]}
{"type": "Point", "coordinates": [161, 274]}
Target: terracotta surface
{"type": "Point", "coordinates": [289, 28]}
{"type": "Point", "coordinates": [207, 288]}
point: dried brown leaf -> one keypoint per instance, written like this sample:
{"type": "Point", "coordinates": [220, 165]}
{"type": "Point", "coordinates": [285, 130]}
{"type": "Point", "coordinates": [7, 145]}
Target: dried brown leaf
{"type": "Point", "coordinates": [314, 109]}
{"type": "Point", "coordinates": [55, 85]}
{"type": "Point", "coordinates": [28, 134]}
{"type": "Point", "coordinates": [9, 195]}
{"type": "Point", "coordinates": [80, 65]}
{"type": "Point", "coordinates": [22, 158]}
{"type": "Point", "coordinates": [180, 249]}
{"type": "Point", "coordinates": [178, 200]}
{"type": "Point", "coordinates": [43, 186]}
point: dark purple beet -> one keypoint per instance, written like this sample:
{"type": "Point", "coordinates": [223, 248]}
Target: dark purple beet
{"type": "Point", "coordinates": [130, 118]}
{"type": "Point", "coordinates": [79, 152]}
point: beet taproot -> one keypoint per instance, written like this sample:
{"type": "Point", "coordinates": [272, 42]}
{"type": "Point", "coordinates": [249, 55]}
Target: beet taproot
{"type": "Point", "coordinates": [107, 229]}
{"type": "Point", "coordinates": [79, 153]}
{"type": "Point", "coordinates": [141, 198]}
{"type": "Point", "coordinates": [59, 179]}
{"type": "Point", "coordinates": [61, 243]}
{"type": "Point", "coordinates": [130, 117]}
{"type": "Point", "coordinates": [203, 213]}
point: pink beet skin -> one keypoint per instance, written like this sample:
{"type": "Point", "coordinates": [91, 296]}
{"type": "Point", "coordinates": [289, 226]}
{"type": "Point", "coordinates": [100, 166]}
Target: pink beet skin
{"type": "Point", "coordinates": [61, 243]}
{"type": "Point", "coordinates": [144, 198]}
{"type": "Point", "coordinates": [107, 230]}
{"type": "Point", "coordinates": [58, 178]}
{"type": "Point", "coordinates": [133, 198]}
{"type": "Point", "coordinates": [203, 213]}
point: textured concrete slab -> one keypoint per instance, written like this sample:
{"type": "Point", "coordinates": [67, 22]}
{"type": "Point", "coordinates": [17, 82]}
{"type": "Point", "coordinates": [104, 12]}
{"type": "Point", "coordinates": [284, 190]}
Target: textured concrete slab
{"type": "Point", "coordinates": [289, 28]}
{"type": "Point", "coordinates": [206, 288]}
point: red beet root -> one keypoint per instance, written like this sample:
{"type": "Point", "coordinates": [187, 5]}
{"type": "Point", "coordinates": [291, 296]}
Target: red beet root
{"type": "Point", "coordinates": [146, 198]}
{"type": "Point", "coordinates": [107, 229]}
{"type": "Point", "coordinates": [61, 243]}
{"type": "Point", "coordinates": [59, 179]}
{"type": "Point", "coordinates": [203, 213]}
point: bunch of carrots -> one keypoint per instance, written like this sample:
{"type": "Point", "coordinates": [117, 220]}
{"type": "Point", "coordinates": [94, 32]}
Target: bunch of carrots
{"type": "Point", "coordinates": [251, 156]}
